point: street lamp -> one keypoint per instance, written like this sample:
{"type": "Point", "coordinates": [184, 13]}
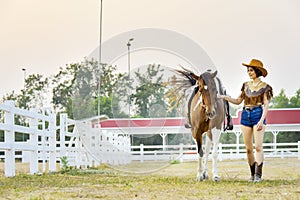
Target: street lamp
{"type": "Point", "coordinates": [24, 85]}
{"type": "Point", "coordinates": [129, 92]}
{"type": "Point", "coordinates": [24, 70]}
{"type": "Point", "coordinates": [128, 46]}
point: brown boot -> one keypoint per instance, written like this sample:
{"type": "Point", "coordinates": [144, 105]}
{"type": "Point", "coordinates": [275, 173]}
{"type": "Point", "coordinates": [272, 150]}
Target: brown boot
{"type": "Point", "coordinates": [258, 173]}
{"type": "Point", "coordinates": [252, 170]}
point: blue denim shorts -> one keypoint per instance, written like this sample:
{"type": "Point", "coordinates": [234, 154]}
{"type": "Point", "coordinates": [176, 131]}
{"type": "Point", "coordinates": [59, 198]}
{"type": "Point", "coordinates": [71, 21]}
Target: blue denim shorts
{"type": "Point", "coordinates": [251, 117]}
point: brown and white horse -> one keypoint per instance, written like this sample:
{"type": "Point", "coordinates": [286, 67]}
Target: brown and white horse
{"type": "Point", "coordinates": [207, 115]}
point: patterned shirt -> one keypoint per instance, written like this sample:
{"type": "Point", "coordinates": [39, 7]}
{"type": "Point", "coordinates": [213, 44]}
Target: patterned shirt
{"type": "Point", "coordinates": [254, 95]}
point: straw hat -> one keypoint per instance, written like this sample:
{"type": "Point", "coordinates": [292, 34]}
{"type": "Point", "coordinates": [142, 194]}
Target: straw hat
{"type": "Point", "coordinates": [258, 65]}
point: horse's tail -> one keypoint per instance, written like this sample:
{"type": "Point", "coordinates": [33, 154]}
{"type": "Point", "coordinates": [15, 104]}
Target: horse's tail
{"type": "Point", "coordinates": [178, 86]}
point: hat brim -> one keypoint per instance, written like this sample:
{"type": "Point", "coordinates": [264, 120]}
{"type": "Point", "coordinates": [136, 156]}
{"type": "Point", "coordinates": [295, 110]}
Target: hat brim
{"type": "Point", "coordinates": [263, 70]}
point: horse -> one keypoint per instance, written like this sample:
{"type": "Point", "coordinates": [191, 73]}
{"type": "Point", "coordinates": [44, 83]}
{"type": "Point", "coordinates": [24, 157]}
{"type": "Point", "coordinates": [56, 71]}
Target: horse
{"type": "Point", "coordinates": [207, 115]}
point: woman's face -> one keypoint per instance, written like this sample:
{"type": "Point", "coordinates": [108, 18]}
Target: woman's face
{"type": "Point", "coordinates": [251, 72]}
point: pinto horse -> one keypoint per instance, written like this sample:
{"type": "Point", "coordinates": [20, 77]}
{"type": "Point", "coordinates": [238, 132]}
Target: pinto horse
{"type": "Point", "coordinates": [207, 115]}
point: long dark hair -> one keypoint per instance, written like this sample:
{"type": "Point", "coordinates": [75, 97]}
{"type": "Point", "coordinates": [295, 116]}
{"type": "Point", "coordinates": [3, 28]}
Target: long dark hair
{"type": "Point", "coordinates": [257, 72]}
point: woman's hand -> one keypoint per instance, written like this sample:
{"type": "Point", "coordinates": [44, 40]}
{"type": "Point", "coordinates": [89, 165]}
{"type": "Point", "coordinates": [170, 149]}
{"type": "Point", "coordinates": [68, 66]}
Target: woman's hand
{"type": "Point", "coordinates": [221, 96]}
{"type": "Point", "coordinates": [259, 125]}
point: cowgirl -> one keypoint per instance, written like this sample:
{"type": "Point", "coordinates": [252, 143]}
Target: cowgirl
{"type": "Point", "coordinates": [256, 95]}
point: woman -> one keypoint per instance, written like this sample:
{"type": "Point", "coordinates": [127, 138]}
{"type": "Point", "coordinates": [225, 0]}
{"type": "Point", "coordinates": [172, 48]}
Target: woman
{"type": "Point", "coordinates": [256, 95]}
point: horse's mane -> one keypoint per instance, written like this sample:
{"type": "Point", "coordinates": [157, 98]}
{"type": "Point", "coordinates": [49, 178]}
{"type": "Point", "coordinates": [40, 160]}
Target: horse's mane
{"type": "Point", "coordinates": [179, 85]}
{"type": "Point", "coordinates": [222, 91]}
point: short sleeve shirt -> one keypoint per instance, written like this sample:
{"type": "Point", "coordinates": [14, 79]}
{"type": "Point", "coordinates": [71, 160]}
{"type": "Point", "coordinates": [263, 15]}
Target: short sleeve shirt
{"type": "Point", "coordinates": [255, 95]}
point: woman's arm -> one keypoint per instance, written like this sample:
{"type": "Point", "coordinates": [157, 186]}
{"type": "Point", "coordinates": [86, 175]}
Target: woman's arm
{"type": "Point", "coordinates": [237, 101]}
{"type": "Point", "coordinates": [264, 114]}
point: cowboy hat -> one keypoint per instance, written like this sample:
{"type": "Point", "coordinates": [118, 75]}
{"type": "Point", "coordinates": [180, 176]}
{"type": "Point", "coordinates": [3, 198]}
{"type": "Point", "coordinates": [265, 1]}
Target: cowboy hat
{"type": "Point", "coordinates": [258, 65]}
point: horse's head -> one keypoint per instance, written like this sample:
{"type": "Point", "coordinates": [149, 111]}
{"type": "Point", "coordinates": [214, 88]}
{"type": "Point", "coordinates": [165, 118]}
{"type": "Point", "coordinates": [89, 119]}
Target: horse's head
{"type": "Point", "coordinates": [208, 89]}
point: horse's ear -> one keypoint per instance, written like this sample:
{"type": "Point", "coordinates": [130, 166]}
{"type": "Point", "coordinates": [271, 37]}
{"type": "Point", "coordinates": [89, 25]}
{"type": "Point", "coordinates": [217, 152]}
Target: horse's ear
{"type": "Point", "coordinates": [213, 75]}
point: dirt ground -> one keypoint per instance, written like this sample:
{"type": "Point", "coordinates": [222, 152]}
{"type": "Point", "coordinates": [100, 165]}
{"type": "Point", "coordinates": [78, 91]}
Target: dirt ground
{"type": "Point", "coordinates": [281, 180]}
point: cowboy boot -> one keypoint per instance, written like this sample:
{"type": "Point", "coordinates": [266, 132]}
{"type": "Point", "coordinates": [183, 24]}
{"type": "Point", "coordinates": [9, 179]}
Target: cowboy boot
{"type": "Point", "coordinates": [258, 173]}
{"type": "Point", "coordinates": [252, 170]}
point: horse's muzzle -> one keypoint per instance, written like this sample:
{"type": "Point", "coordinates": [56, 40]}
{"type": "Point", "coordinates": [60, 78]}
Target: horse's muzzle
{"type": "Point", "coordinates": [211, 114]}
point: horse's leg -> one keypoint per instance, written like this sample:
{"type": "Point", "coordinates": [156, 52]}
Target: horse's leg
{"type": "Point", "coordinates": [199, 174]}
{"type": "Point", "coordinates": [200, 155]}
{"type": "Point", "coordinates": [205, 159]}
{"type": "Point", "coordinates": [216, 137]}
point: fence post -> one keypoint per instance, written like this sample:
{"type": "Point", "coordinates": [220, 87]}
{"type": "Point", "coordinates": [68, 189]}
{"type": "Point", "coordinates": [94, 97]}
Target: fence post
{"type": "Point", "coordinates": [43, 142]}
{"type": "Point", "coordinates": [9, 137]}
{"type": "Point", "coordinates": [142, 152]}
{"type": "Point", "coordinates": [282, 154]}
{"type": "Point", "coordinates": [181, 152]}
{"type": "Point", "coordinates": [62, 133]}
{"type": "Point", "coordinates": [52, 143]}
{"type": "Point", "coordinates": [298, 150]}
{"type": "Point", "coordinates": [34, 163]}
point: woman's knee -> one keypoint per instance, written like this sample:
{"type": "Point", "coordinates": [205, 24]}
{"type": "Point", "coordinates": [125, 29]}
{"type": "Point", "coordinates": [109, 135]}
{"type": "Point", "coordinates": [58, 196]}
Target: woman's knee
{"type": "Point", "coordinates": [249, 150]}
{"type": "Point", "coordinates": [259, 149]}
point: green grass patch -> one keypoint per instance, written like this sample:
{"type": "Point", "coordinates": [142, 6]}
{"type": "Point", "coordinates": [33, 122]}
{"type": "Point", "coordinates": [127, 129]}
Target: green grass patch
{"type": "Point", "coordinates": [280, 181]}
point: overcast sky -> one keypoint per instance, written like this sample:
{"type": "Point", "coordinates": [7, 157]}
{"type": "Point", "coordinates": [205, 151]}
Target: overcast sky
{"type": "Point", "coordinates": [43, 35]}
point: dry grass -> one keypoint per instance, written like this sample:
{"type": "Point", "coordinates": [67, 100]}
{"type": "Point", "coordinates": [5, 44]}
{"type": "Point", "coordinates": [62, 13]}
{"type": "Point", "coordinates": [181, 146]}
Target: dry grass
{"type": "Point", "coordinates": [177, 181]}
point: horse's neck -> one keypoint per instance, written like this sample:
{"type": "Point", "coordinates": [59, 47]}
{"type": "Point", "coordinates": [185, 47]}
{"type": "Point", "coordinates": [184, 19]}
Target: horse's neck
{"type": "Point", "coordinates": [219, 85]}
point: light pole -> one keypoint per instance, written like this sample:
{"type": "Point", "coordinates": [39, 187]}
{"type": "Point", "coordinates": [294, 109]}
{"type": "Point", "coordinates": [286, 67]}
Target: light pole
{"type": "Point", "coordinates": [129, 91]}
{"type": "Point", "coordinates": [24, 85]}
{"type": "Point", "coordinates": [128, 46]}
{"type": "Point", "coordinates": [99, 62]}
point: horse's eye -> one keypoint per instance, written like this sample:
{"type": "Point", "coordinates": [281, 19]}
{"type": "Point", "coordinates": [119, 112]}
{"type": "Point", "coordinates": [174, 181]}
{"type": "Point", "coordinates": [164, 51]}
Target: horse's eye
{"type": "Point", "coordinates": [205, 87]}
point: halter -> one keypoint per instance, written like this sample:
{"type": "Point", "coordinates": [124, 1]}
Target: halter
{"type": "Point", "coordinates": [201, 99]}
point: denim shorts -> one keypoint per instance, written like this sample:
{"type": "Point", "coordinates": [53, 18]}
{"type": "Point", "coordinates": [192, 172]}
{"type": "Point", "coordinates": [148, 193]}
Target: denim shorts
{"type": "Point", "coordinates": [251, 117]}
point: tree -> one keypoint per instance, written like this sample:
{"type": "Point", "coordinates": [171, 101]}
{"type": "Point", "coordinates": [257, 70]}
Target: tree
{"type": "Point", "coordinates": [35, 93]}
{"type": "Point", "coordinates": [280, 101]}
{"type": "Point", "coordinates": [149, 92]}
{"type": "Point", "coordinates": [62, 89]}
{"type": "Point", "coordinates": [295, 100]}
{"type": "Point", "coordinates": [75, 89]}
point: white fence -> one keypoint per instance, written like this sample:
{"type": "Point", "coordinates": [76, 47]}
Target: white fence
{"type": "Point", "coordinates": [102, 146]}
{"type": "Point", "coordinates": [82, 145]}
{"type": "Point", "coordinates": [226, 151]}
{"type": "Point", "coordinates": [86, 146]}
{"type": "Point", "coordinates": [39, 126]}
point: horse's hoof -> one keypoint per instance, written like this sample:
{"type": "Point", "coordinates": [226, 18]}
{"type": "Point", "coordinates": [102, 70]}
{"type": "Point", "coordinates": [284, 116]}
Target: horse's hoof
{"type": "Point", "coordinates": [217, 179]}
{"type": "Point", "coordinates": [188, 126]}
{"type": "Point", "coordinates": [200, 178]}
{"type": "Point", "coordinates": [205, 175]}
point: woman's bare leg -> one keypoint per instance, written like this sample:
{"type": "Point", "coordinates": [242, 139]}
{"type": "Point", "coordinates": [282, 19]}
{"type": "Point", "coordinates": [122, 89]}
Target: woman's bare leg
{"type": "Point", "coordinates": [258, 140]}
{"type": "Point", "coordinates": [247, 135]}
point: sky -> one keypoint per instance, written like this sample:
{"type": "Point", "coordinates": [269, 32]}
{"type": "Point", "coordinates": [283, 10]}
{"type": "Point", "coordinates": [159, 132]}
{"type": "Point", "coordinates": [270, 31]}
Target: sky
{"type": "Point", "coordinates": [42, 35]}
